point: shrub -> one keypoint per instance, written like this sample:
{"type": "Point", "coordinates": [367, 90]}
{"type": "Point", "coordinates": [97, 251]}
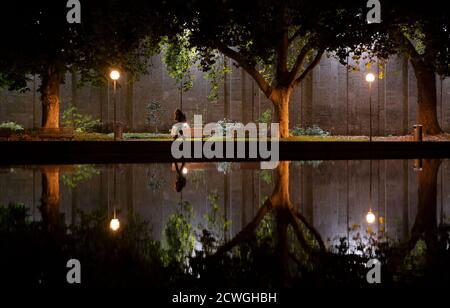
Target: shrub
{"type": "Point", "coordinates": [80, 122]}
{"type": "Point", "coordinates": [266, 117]}
{"type": "Point", "coordinates": [226, 126]}
{"type": "Point", "coordinates": [309, 131]}
{"type": "Point", "coordinates": [155, 112]}
{"type": "Point", "coordinates": [11, 126]}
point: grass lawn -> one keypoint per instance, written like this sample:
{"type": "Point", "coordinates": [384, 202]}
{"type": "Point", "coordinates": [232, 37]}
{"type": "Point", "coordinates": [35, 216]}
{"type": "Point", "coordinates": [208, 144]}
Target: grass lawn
{"type": "Point", "coordinates": [167, 137]}
{"type": "Point", "coordinates": [326, 138]}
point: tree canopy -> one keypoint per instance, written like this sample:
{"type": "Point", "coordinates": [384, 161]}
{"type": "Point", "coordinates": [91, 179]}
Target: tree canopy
{"type": "Point", "coordinates": [276, 42]}
{"type": "Point", "coordinates": [38, 39]}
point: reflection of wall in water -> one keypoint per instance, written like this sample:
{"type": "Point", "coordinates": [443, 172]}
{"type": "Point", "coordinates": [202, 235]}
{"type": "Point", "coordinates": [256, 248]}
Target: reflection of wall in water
{"type": "Point", "coordinates": [324, 194]}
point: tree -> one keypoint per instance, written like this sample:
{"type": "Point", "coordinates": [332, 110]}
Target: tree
{"type": "Point", "coordinates": [38, 39]}
{"type": "Point", "coordinates": [154, 113]}
{"type": "Point", "coordinates": [276, 42]}
{"type": "Point", "coordinates": [179, 59]}
{"type": "Point", "coordinates": [421, 33]}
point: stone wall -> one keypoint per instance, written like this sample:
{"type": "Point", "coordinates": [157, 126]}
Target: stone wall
{"type": "Point", "coordinates": [332, 97]}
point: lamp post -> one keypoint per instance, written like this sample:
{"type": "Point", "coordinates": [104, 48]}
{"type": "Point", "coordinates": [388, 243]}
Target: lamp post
{"type": "Point", "coordinates": [370, 78]}
{"type": "Point", "coordinates": [115, 75]}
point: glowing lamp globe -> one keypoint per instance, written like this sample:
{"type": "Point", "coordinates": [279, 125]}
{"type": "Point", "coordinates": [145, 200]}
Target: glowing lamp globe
{"type": "Point", "coordinates": [184, 170]}
{"type": "Point", "coordinates": [114, 224]}
{"type": "Point", "coordinates": [114, 75]}
{"type": "Point", "coordinates": [370, 217]}
{"type": "Point", "coordinates": [370, 77]}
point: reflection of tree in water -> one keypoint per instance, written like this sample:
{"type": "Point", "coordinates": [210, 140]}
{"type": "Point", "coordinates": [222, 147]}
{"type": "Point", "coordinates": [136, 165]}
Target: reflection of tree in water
{"type": "Point", "coordinates": [80, 174]}
{"type": "Point", "coordinates": [426, 252]}
{"type": "Point", "coordinates": [155, 175]}
{"type": "Point", "coordinates": [286, 218]}
{"type": "Point", "coordinates": [131, 257]}
{"type": "Point", "coordinates": [50, 196]}
{"type": "Point", "coordinates": [180, 181]}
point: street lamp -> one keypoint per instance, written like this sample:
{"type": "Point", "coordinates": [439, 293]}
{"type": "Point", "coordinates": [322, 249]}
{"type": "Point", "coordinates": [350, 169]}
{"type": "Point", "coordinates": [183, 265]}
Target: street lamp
{"type": "Point", "coordinates": [115, 75]}
{"type": "Point", "coordinates": [370, 78]}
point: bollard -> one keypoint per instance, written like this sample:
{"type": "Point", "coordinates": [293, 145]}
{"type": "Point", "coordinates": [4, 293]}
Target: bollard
{"type": "Point", "coordinates": [418, 132]}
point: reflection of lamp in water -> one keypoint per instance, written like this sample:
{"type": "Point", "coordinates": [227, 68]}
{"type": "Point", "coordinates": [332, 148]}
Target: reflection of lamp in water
{"type": "Point", "coordinates": [370, 217]}
{"type": "Point", "coordinates": [184, 170]}
{"type": "Point", "coordinates": [114, 223]}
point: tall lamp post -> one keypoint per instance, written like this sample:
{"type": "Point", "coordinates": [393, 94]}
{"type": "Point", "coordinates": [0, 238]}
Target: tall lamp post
{"type": "Point", "coordinates": [115, 75]}
{"type": "Point", "coordinates": [370, 78]}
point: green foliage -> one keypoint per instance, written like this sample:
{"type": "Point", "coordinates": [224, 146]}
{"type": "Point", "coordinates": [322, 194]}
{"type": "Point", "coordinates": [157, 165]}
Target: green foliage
{"type": "Point", "coordinates": [226, 126]}
{"type": "Point", "coordinates": [155, 112]}
{"type": "Point", "coordinates": [178, 235]}
{"type": "Point", "coordinates": [13, 126]}
{"type": "Point", "coordinates": [13, 216]}
{"type": "Point", "coordinates": [309, 131]}
{"type": "Point", "coordinates": [415, 261]}
{"type": "Point", "coordinates": [216, 75]}
{"type": "Point", "coordinates": [155, 180]}
{"type": "Point", "coordinates": [266, 176]}
{"type": "Point", "coordinates": [312, 163]}
{"type": "Point", "coordinates": [81, 173]}
{"type": "Point", "coordinates": [112, 34]}
{"type": "Point", "coordinates": [79, 122]}
{"type": "Point", "coordinates": [215, 218]}
{"type": "Point", "coordinates": [266, 117]}
{"type": "Point", "coordinates": [179, 59]}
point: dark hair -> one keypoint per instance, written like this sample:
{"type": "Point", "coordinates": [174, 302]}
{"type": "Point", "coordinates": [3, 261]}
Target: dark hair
{"type": "Point", "coordinates": [179, 116]}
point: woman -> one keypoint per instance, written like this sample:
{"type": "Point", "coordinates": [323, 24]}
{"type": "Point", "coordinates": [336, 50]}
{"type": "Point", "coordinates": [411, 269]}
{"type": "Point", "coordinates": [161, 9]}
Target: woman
{"type": "Point", "coordinates": [180, 125]}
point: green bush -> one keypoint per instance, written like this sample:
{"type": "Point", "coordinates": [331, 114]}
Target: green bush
{"type": "Point", "coordinates": [11, 126]}
{"type": "Point", "coordinates": [80, 122]}
{"type": "Point", "coordinates": [155, 113]}
{"type": "Point", "coordinates": [309, 131]}
{"type": "Point", "coordinates": [266, 117]}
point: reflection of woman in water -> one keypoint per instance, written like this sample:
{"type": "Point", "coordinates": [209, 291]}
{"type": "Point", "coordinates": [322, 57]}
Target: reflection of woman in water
{"type": "Point", "coordinates": [180, 182]}
{"type": "Point", "coordinates": [180, 125]}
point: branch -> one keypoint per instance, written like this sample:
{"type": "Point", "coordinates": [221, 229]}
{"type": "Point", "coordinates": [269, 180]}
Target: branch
{"type": "Point", "coordinates": [311, 65]}
{"type": "Point", "coordinates": [311, 229]}
{"type": "Point", "coordinates": [299, 61]}
{"type": "Point", "coordinates": [298, 233]}
{"type": "Point", "coordinates": [294, 36]}
{"type": "Point", "coordinates": [297, 261]}
{"type": "Point", "coordinates": [409, 49]}
{"type": "Point", "coordinates": [250, 69]}
{"type": "Point", "coordinates": [249, 228]}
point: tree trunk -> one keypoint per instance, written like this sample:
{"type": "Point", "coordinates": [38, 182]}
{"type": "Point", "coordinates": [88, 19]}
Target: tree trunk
{"type": "Point", "coordinates": [50, 197]}
{"type": "Point", "coordinates": [51, 79]}
{"type": "Point", "coordinates": [280, 99]}
{"type": "Point", "coordinates": [426, 98]}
